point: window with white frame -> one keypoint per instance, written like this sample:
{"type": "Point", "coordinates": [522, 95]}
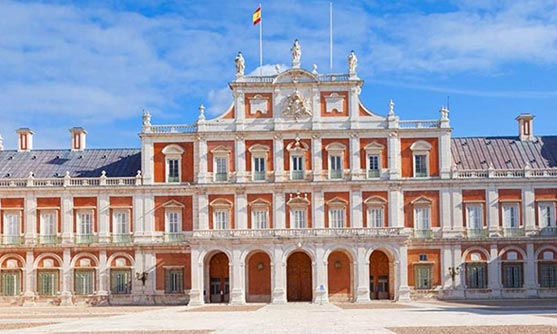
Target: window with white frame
{"type": "Point", "coordinates": [546, 214]}
{"type": "Point", "coordinates": [298, 218]}
{"type": "Point", "coordinates": [336, 157]}
{"type": "Point", "coordinates": [121, 221]}
{"type": "Point", "coordinates": [84, 222]}
{"type": "Point", "coordinates": [259, 218]}
{"type": "Point", "coordinates": [12, 223]}
{"type": "Point", "coordinates": [511, 217]}
{"type": "Point", "coordinates": [84, 281]}
{"type": "Point", "coordinates": [375, 216]}
{"type": "Point", "coordinates": [512, 275]}
{"type": "Point", "coordinates": [10, 283]}
{"type": "Point", "coordinates": [476, 275]}
{"type": "Point", "coordinates": [422, 217]}
{"type": "Point", "coordinates": [424, 276]}
{"type": "Point", "coordinates": [48, 222]}
{"type": "Point", "coordinates": [221, 219]}
{"type": "Point", "coordinates": [298, 205]}
{"type": "Point", "coordinates": [297, 163]}
{"type": "Point", "coordinates": [173, 220]}
{"type": "Point", "coordinates": [337, 217]}
{"type": "Point", "coordinates": [48, 282]}
{"type": "Point", "coordinates": [474, 216]}
{"type": "Point", "coordinates": [259, 162]}
{"type": "Point", "coordinates": [373, 160]}
{"type": "Point", "coordinates": [221, 173]}
{"type": "Point", "coordinates": [174, 280]}
{"type": "Point", "coordinates": [547, 273]}
{"type": "Point", "coordinates": [173, 160]}
{"type": "Point", "coordinates": [420, 157]}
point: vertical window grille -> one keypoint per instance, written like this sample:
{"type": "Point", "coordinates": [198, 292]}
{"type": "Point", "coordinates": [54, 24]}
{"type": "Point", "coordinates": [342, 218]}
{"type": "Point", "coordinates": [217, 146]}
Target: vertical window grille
{"type": "Point", "coordinates": [10, 284]}
{"type": "Point", "coordinates": [422, 218]}
{"type": "Point", "coordinates": [420, 165]}
{"type": "Point", "coordinates": [510, 216]}
{"type": "Point", "coordinates": [222, 169]}
{"type": "Point", "coordinates": [547, 275]}
{"type": "Point", "coordinates": [474, 215]}
{"type": "Point", "coordinates": [174, 281]}
{"type": "Point", "coordinates": [423, 277]}
{"type": "Point", "coordinates": [337, 217]}
{"type": "Point", "coordinates": [336, 166]}
{"type": "Point", "coordinates": [375, 217]}
{"type": "Point", "coordinates": [221, 219]}
{"type": "Point", "coordinates": [297, 167]}
{"type": "Point", "coordinates": [120, 281]}
{"type": "Point", "coordinates": [85, 223]}
{"type": "Point", "coordinates": [512, 275]}
{"type": "Point", "coordinates": [476, 275]}
{"type": "Point", "coordinates": [259, 168]}
{"type": "Point", "coordinates": [173, 221]}
{"type": "Point", "coordinates": [373, 166]}
{"type": "Point", "coordinates": [298, 218]}
{"type": "Point", "coordinates": [259, 219]}
{"type": "Point", "coordinates": [121, 222]}
{"type": "Point", "coordinates": [173, 170]}
{"type": "Point", "coordinates": [47, 282]}
{"type": "Point", "coordinates": [84, 280]}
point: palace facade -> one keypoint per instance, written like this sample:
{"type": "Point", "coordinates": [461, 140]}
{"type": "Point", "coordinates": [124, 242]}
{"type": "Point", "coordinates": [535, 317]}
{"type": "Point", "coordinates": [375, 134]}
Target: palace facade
{"type": "Point", "coordinates": [297, 192]}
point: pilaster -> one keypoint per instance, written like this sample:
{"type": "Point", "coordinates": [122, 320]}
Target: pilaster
{"type": "Point", "coordinates": [147, 160]}
{"type": "Point", "coordinates": [196, 291]}
{"type": "Point", "coordinates": [202, 158]}
{"type": "Point", "coordinates": [30, 218]}
{"type": "Point", "coordinates": [241, 211]}
{"type": "Point", "coordinates": [237, 295]}
{"type": "Point", "coordinates": [494, 272]}
{"type": "Point", "coordinates": [66, 215]}
{"type": "Point", "coordinates": [278, 156]}
{"type": "Point", "coordinates": [104, 217]}
{"type": "Point", "coordinates": [279, 211]}
{"type": "Point", "coordinates": [492, 210]}
{"type": "Point", "coordinates": [278, 277]}
{"type": "Point", "coordinates": [320, 286]}
{"type": "Point", "coordinates": [396, 207]}
{"type": "Point", "coordinates": [29, 284]}
{"type": "Point", "coordinates": [102, 281]}
{"type": "Point", "coordinates": [318, 207]}
{"type": "Point", "coordinates": [529, 209]}
{"type": "Point", "coordinates": [402, 266]}
{"type": "Point", "coordinates": [356, 206]}
{"type": "Point", "coordinates": [530, 272]}
{"type": "Point", "coordinates": [66, 293]}
{"type": "Point", "coordinates": [203, 201]}
{"type": "Point", "coordinates": [240, 152]}
{"type": "Point", "coordinates": [362, 276]}
{"type": "Point", "coordinates": [317, 161]}
{"type": "Point", "coordinates": [355, 169]}
{"type": "Point", "coordinates": [445, 155]}
{"type": "Point", "coordinates": [394, 155]}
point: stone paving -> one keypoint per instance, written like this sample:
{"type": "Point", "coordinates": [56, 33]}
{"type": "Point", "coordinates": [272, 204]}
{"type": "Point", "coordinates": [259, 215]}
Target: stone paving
{"type": "Point", "coordinates": [530, 317]}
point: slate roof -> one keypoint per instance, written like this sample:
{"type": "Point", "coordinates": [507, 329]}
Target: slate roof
{"type": "Point", "coordinates": [504, 152]}
{"type": "Point", "coordinates": [55, 163]}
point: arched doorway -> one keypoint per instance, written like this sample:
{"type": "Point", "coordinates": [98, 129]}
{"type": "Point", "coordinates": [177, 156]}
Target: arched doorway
{"type": "Point", "coordinates": [339, 270]}
{"type": "Point", "coordinates": [258, 278]}
{"type": "Point", "coordinates": [299, 278]}
{"type": "Point", "coordinates": [380, 284]}
{"type": "Point", "coordinates": [219, 279]}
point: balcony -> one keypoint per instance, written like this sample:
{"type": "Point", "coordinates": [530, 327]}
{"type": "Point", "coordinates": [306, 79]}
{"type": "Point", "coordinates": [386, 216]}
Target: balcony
{"type": "Point", "coordinates": [382, 232]}
{"type": "Point", "coordinates": [86, 239]}
{"type": "Point", "coordinates": [12, 240]}
{"type": "Point", "coordinates": [550, 231]}
{"type": "Point", "coordinates": [174, 237]}
{"type": "Point", "coordinates": [259, 176]}
{"type": "Point", "coordinates": [476, 233]}
{"type": "Point", "coordinates": [373, 173]}
{"type": "Point", "coordinates": [221, 177]}
{"type": "Point", "coordinates": [49, 239]}
{"type": "Point", "coordinates": [336, 174]}
{"type": "Point", "coordinates": [513, 232]}
{"type": "Point", "coordinates": [122, 238]}
{"type": "Point", "coordinates": [297, 174]}
{"type": "Point", "coordinates": [423, 234]}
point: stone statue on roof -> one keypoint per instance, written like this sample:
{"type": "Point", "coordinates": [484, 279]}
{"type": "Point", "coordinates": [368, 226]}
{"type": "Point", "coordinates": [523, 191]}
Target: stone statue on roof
{"type": "Point", "coordinates": [296, 54]}
{"type": "Point", "coordinates": [352, 63]}
{"type": "Point", "coordinates": [240, 64]}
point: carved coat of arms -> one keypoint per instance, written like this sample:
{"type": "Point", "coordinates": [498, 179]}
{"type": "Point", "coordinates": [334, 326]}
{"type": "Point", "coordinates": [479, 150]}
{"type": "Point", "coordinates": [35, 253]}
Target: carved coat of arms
{"type": "Point", "coordinates": [296, 107]}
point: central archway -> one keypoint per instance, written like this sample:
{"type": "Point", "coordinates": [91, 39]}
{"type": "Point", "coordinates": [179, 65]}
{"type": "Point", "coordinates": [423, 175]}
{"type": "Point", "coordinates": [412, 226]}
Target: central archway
{"type": "Point", "coordinates": [258, 277]}
{"type": "Point", "coordinates": [299, 278]}
{"type": "Point", "coordinates": [380, 276]}
{"type": "Point", "coordinates": [219, 279]}
{"type": "Point", "coordinates": [339, 273]}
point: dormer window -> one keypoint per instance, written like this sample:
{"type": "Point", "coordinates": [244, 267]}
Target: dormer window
{"type": "Point", "coordinates": [337, 212]}
{"type": "Point", "coordinates": [221, 214]}
{"type": "Point", "coordinates": [373, 160]}
{"type": "Point", "coordinates": [173, 161]}
{"type": "Point", "coordinates": [420, 156]}
{"type": "Point", "coordinates": [336, 159]}
{"type": "Point", "coordinates": [259, 154]}
{"type": "Point", "coordinates": [298, 210]}
{"type": "Point", "coordinates": [375, 211]}
{"type": "Point", "coordinates": [221, 158]}
{"type": "Point", "coordinates": [260, 214]}
{"type": "Point", "coordinates": [297, 150]}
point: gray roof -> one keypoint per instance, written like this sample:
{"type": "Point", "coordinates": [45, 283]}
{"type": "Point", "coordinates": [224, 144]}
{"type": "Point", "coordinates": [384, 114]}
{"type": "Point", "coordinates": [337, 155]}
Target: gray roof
{"type": "Point", "coordinates": [504, 152]}
{"type": "Point", "coordinates": [55, 163]}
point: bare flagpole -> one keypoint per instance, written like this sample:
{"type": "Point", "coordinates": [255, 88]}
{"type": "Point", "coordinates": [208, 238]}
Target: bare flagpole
{"type": "Point", "coordinates": [260, 42]}
{"type": "Point", "coordinates": [331, 35]}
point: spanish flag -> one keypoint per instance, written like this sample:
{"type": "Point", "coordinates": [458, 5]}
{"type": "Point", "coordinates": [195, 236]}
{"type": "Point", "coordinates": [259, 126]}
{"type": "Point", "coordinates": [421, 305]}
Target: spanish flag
{"type": "Point", "coordinates": [257, 16]}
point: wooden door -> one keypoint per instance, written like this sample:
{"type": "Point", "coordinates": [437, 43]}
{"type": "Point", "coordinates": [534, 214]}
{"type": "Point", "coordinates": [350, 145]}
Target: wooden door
{"type": "Point", "coordinates": [299, 278]}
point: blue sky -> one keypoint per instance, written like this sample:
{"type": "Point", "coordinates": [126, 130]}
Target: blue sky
{"type": "Point", "coordinates": [98, 64]}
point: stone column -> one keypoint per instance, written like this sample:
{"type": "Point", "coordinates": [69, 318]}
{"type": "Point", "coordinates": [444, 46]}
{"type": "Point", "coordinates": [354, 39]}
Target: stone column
{"type": "Point", "coordinates": [396, 207]}
{"type": "Point", "coordinates": [316, 108]}
{"type": "Point", "coordinates": [357, 208]}
{"type": "Point", "coordinates": [150, 264]}
{"type": "Point", "coordinates": [458, 263]}
{"type": "Point", "coordinates": [317, 161]}
{"type": "Point", "coordinates": [103, 218]}
{"type": "Point", "coordinates": [203, 219]}
{"type": "Point", "coordinates": [202, 158]}
{"type": "Point", "coordinates": [241, 211]}
{"type": "Point", "coordinates": [138, 217]}
{"type": "Point", "coordinates": [361, 266]}
{"type": "Point", "coordinates": [30, 219]}
{"type": "Point", "coordinates": [320, 280]}
{"type": "Point", "coordinates": [66, 272]}
{"type": "Point", "coordinates": [240, 158]}
{"type": "Point", "coordinates": [394, 156]}
{"type": "Point", "coordinates": [445, 155]}
{"type": "Point", "coordinates": [353, 105]}
{"type": "Point", "coordinates": [279, 211]}
{"type": "Point", "coordinates": [529, 209]}
{"type": "Point", "coordinates": [279, 277]}
{"type": "Point", "coordinates": [355, 169]}
{"type": "Point", "coordinates": [30, 278]}
{"type": "Point", "coordinates": [530, 281]}
{"type": "Point", "coordinates": [147, 155]}
{"type": "Point", "coordinates": [492, 210]}
{"type": "Point", "coordinates": [102, 280]}
{"type": "Point", "coordinates": [456, 209]}
{"type": "Point", "coordinates": [196, 292]}
{"type": "Point", "coordinates": [402, 265]}
{"type": "Point", "coordinates": [148, 215]}
{"type": "Point", "coordinates": [278, 156]}
{"type": "Point", "coordinates": [446, 261]}
{"type": "Point", "coordinates": [66, 214]}
{"type": "Point", "coordinates": [238, 274]}
{"type": "Point", "coordinates": [318, 207]}
{"type": "Point", "coordinates": [494, 272]}
{"type": "Point", "coordinates": [240, 109]}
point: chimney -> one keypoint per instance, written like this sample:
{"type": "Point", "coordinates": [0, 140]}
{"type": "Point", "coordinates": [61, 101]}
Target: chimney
{"type": "Point", "coordinates": [78, 138]}
{"type": "Point", "coordinates": [525, 127]}
{"type": "Point", "coordinates": [25, 139]}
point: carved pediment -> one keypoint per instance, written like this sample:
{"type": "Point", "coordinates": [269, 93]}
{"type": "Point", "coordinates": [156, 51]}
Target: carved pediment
{"type": "Point", "coordinates": [296, 107]}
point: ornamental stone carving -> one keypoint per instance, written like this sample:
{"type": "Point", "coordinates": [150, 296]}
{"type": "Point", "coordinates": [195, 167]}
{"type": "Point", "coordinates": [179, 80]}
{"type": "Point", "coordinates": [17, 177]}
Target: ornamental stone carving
{"type": "Point", "coordinates": [296, 107]}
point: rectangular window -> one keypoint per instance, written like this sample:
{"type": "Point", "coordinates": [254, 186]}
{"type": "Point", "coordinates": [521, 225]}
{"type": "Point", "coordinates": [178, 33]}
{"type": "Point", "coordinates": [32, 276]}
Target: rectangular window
{"type": "Point", "coordinates": [512, 275]}
{"type": "Point", "coordinates": [173, 170]}
{"type": "Point", "coordinates": [259, 219]}
{"type": "Point", "coordinates": [84, 222]}
{"type": "Point", "coordinates": [221, 219]}
{"type": "Point", "coordinates": [120, 281]}
{"type": "Point", "coordinates": [420, 165]}
{"type": "Point", "coordinates": [10, 282]}
{"type": "Point", "coordinates": [335, 166]}
{"type": "Point", "coordinates": [474, 216]}
{"type": "Point", "coordinates": [476, 275]}
{"type": "Point", "coordinates": [297, 167]}
{"type": "Point", "coordinates": [422, 218]}
{"type": "Point", "coordinates": [84, 281]}
{"type": "Point", "coordinates": [337, 218]}
{"type": "Point", "coordinates": [546, 215]}
{"type": "Point", "coordinates": [121, 221]}
{"type": "Point", "coordinates": [423, 277]}
{"type": "Point", "coordinates": [12, 228]}
{"type": "Point", "coordinates": [174, 280]}
{"type": "Point", "coordinates": [547, 275]}
{"type": "Point", "coordinates": [298, 218]}
{"type": "Point", "coordinates": [48, 223]}
{"type": "Point", "coordinates": [375, 217]}
{"type": "Point", "coordinates": [259, 170]}
{"type": "Point", "coordinates": [510, 216]}
{"type": "Point", "coordinates": [373, 169]}
{"type": "Point", "coordinates": [173, 220]}
{"type": "Point", "coordinates": [47, 282]}
{"type": "Point", "coordinates": [222, 169]}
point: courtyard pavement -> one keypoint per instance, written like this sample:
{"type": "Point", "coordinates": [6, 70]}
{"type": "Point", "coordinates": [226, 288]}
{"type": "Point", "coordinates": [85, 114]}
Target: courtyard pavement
{"type": "Point", "coordinates": [432, 317]}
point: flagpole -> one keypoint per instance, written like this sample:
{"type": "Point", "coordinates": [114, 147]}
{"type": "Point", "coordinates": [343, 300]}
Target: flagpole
{"type": "Point", "coordinates": [331, 35]}
{"type": "Point", "coordinates": [261, 43]}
